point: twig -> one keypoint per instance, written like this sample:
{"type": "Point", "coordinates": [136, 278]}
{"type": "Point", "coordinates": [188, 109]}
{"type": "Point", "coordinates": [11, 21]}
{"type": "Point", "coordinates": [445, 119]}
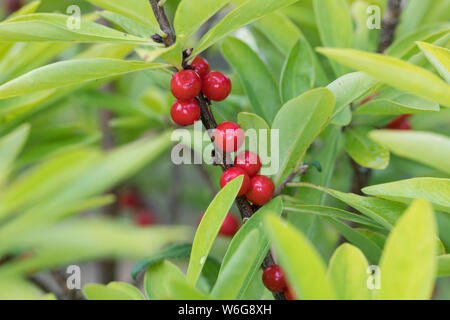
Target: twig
{"type": "Point", "coordinates": [169, 36]}
{"type": "Point", "coordinates": [290, 178]}
{"type": "Point", "coordinates": [389, 25]}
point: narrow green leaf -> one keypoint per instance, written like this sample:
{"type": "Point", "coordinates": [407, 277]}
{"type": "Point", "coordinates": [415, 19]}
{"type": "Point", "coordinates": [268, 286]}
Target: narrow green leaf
{"type": "Point", "coordinates": [424, 147]}
{"type": "Point", "coordinates": [365, 151]}
{"type": "Point", "coordinates": [159, 278]}
{"type": "Point", "coordinates": [71, 72]}
{"type": "Point", "coordinates": [305, 269]}
{"type": "Point", "coordinates": [259, 84]}
{"type": "Point", "coordinates": [394, 72]}
{"type": "Point", "coordinates": [128, 25]}
{"type": "Point", "coordinates": [435, 190]}
{"type": "Point", "coordinates": [348, 273]}
{"type": "Point", "coordinates": [438, 57]}
{"type": "Point", "coordinates": [444, 265]}
{"type": "Point", "coordinates": [408, 265]}
{"type": "Point", "coordinates": [299, 122]}
{"type": "Point", "coordinates": [10, 147]}
{"type": "Point", "coordinates": [298, 74]}
{"type": "Point", "coordinates": [209, 228]}
{"type": "Point", "coordinates": [127, 288]}
{"type": "Point", "coordinates": [102, 292]}
{"type": "Point", "coordinates": [181, 290]}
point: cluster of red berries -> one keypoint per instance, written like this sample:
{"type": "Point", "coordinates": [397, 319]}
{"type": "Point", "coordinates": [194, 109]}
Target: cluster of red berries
{"type": "Point", "coordinates": [129, 199]}
{"type": "Point", "coordinates": [275, 281]}
{"type": "Point", "coordinates": [257, 189]}
{"type": "Point", "coordinates": [186, 85]}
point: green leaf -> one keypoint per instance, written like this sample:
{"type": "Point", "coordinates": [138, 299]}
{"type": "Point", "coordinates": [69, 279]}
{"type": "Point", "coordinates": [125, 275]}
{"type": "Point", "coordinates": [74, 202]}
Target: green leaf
{"type": "Point", "coordinates": [247, 12]}
{"type": "Point", "coordinates": [234, 276]}
{"type": "Point", "coordinates": [435, 190]}
{"type": "Point", "coordinates": [181, 290]}
{"type": "Point", "coordinates": [298, 74]}
{"type": "Point", "coordinates": [71, 72]}
{"type": "Point", "coordinates": [209, 228]}
{"type": "Point", "coordinates": [444, 265]}
{"type": "Point", "coordinates": [128, 25]}
{"type": "Point", "coordinates": [102, 292]}
{"type": "Point", "coordinates": [347, 273]}
{"type": "Point", "coordinates": [192, 14]}
{"type": "Point", "coordinates": [335, 26]}
{"type": "Point", "coordinates": [299, 122]}
{"type": "Point", "coordinates": [394, 72]}
{"type": "Point", "coordinates": [401, 104]}
{"type": "Point", "coordinates": [18, 288]}
{"type": "Point", "coordinates": [127, 288]}
{"type": "Point", "coordinates": [408, 265]}
{"type": "Point", "coordinates": [438, 57]}
{"type": "Point", "coordinates": [305, 269]}
{"type": "Point", "coordinates": [10, 147]}
{"type": "Point", "coordinates": [259, 84]}
{"type": "Point", "coordinates": [174, 251]}
{"type": "Point", "coordinates": [53, 27]}
{"type": "Point", "coordinates": [365, 151]}
{"type": "Point", "coordinates": [158, 280]}
{"type": "Point", "coordinates": [139, 10]}
{"type": "Point", "coordinates": [261, 246]}
{"type": "Point", "coordinates": [424, 147]}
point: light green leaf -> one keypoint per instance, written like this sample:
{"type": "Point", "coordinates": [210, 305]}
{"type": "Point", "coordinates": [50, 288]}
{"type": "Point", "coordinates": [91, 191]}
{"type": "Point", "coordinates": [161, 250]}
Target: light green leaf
{"type": "Point", "coordinates": [181, 290]}
{"type": "Point", "coordinates": [259, 84]}
{"type": "Point", "coordinates": [298, 73]}
{"type": "Point", "coordinates": [102, 292]}
{"type": "Point", "coordinates": [26, 9]}
{"type": "Point", "coordinates": [439, 57]}
{"type": "Point", "coordinates": [303, 265]}
{"type": "Point", "coordinates": [209, 228]}
{"type": "Point", "coordinates": [424, 147]}
{"type": "Point", "coordinates": [53, 27]}
{"type": "Point", "coordinates": [435, 190]}
{"type": "Point", "coordinates": [444, 265]}
{"type": "Point", "coordinates": [347, 273]}
{"type": "Point", "coordinates": [365, 151]}
{"type": "Point", "coordinates": [10, 147]}
{"type": "Point", "coordinates": [192, 14]}
{"type": "Point", "coordinates": [17, 288]}
{"type": "Point", "coordinates": [247, 12]}
{"type": "Point", "coordinates": [159, 278]}
{"type": "Point", "coordinates": [128, 25]}
{"type": "Point", "coordinates": [335, 26]}
{"type": "Point", "coordinates": [261, 246]}
{"type": "Point", "coordinates": [71, 72]}
{"type": "Point", "coordinates": [234, 277]}
{"type": "Point", "coordinates": [299, 122]}
{"type": "Point", "coordinates": [394, 72]}
{"type": "Point", "coordinates": [408, 265]}
{"type": "Point", "coordinates": [127, 288]}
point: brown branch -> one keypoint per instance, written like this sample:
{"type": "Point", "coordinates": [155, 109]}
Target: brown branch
{"type": "Point", "coordinates": [290, 178]}
{"type": "Point", "coordinates": [389, 25]}
{"type": "Point", "coordinates": [164, 23]}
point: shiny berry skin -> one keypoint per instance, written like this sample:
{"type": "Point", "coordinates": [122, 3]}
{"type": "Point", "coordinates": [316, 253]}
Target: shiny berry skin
{"type": "Point", "coordinates": [230, 226]}
{"type": "Point", "coordinates": [129, 199]}
{"type": "Point", "coordinates": [228, 136]}
{"type": "Point", "coordinates": [400, 123]}
{"type": "Point", "coordinates": [249, 161]}
{"type": "Point", "coordinates": [185, 112]}
{"type": "Point", "coordinates": [201, 66]}
{"type": "Point", "coordinates": [261, 190]}
{"type": "Point", "coordinates": [144, 218]}
{"type": "Point", "coordinates": [289, 294]}
{"type": "Point", "coordinates": [216, 86]}
{"type": "Point", "coordinates": [233, 173]}
{"type": "Point", "coordinates": [273, 278]}
{"type": "Point", "coordinates": [186, 85]}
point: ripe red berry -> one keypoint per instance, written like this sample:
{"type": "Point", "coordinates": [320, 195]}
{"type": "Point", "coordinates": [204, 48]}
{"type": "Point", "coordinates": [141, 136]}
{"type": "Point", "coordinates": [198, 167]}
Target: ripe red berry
{"type": "Point", "coordinates": [228, 136]}
{"type": "Point", "coordinates": [185, 112]}
{"type": "Point", "coordinates": [13, 5]}
{"type": "Point", "coordinates": [186, 85]}
{"type": "Point", "coordinates": [261, 190]}
{"type": "Point", "coordinates": [201, 66]}
{"type": "Point", "coordinates": [129, 198]}
{"type": "Point", "coordinates": [233, 173]}
{"type": "Point", "coordinates": [400, 123]}
{"type": "Point", "coordinates": [289, 294]}
{"type": "Point", "coordinates": [273, 278]}
{"type": "Point", "coordinates": [216, 86]}
{"type": "Point", "coordinates": [229, 226]}
{"type": "Point", "coordinates": [144, 218]}
{"type": "Point", "coordinates": [249, 161]}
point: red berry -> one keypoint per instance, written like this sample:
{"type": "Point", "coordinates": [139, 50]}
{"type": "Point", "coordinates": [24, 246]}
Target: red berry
{"type": "Point", "coordinates": [289, 294]}
{"type": "Point", "coordinates": [230, 226]}
{"type": "Point", "coordinates": [144, 218]}
{"type": "Point", "coordinates": [261, 190]}
{"type": "Point", "coordinates": [233, 173]}
{"type": "Point", "coordinates": [228, 136]}
{"type": "Point", "coordinates": [185, 112]}
{"type": "Point", "coordinates": [273, 278]}
{"type": "Point", "coordinates": [186, 84]}
{"type": "Point", "coordinates": [400, 123]}
{"type": "Point", "coordinates": [370, 98]}
{"type": "Point", "coordinates": [130, 199]}
{"type": "Point", "coordinates": [249, 161]}
{"type": "Point", "coordinates": [216, 86]}
{"type": "Point", "coordinates": [13, 5]}
{"type": "Point", "coordinates": [201, 66]}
